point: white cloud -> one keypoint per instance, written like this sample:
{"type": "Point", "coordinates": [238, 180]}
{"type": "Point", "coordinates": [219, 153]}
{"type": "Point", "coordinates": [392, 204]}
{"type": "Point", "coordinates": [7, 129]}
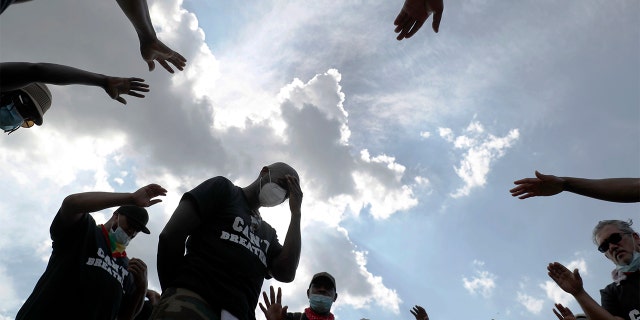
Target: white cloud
{"type": "Point", "coordinates": [446, 133]}
{"type": "Point", "coordinates": [425, 134]}
{"type": "Point", "coordinates": [481, 150]}
{"type": "Point", "coordinates": [483, 282]}
{"type": "Point", "coordinates": [555, 294]}
{"type": "Point", "coordinates": [530, 303]}
{"type": "Point", "coordinates": [8, 295]}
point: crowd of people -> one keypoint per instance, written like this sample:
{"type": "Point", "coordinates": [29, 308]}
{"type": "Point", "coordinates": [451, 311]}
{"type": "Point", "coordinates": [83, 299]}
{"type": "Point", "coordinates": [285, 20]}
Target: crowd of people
{"type": "Point", "coordinates": [216, 250]}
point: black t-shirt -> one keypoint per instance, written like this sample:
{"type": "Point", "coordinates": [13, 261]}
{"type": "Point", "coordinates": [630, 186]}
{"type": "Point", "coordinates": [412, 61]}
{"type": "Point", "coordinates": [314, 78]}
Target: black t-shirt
{"type": "Point", "coordinates": [623, 300]}
{"type": "Point", "coordinates": [296, 316]}
{"type": "Point", "coordinates": [82, 280]}
{"type": "Point", "coordinates": [230, 253]}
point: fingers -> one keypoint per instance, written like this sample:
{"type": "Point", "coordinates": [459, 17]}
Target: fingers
{"type": "Point", "coordinates": [177, 60]}
{"type": "Point", "coordinates": [415, 28]}
{"type": "Point", "coordinates": [279, 296]}
{"type": "Point", "coordinates": [121, 100]}
{"type": "Point", "coordinates": [266, 299]}
{"type": "Point", "coordinates": [404, 29]}
{"type": "Point", "coordinates": [135, 94]}
{"type": "Point", "coordinates": [294, 184]}
{"type": "Point", "coordinates": [165, 65]}
{"type": "Point", "coordinates": [156, 189]}
{"type": "Point", "coordinates": [436, 21]}
{"type": "Point", "coordinates": [264, 310]}
{"type": "Point", "coordinates": [526, 181]}
{"type": "Point", "coordinates": [137, 267]}
{"type": "Point", "coordinates": [557, 314]}
{"type": "Point", "coordinates": [273, 294]}
{"type": "Point", "coordinates": [137, 86]}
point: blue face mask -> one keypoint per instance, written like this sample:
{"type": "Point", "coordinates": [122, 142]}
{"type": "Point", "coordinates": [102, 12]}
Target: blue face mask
{"type": "Point", "coordinates": [320, 304]}
{"type": "Point", "coordinates": [10, 118]}
{"type": "Point", "coordinates": [120, 236]}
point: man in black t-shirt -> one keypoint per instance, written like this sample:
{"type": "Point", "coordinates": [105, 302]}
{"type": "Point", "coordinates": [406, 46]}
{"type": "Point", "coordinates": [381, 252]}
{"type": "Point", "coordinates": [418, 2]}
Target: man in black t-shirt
{"type": "Point", "coordinates": [230, 249]}
{"type": "Point", "coordinates": [620, 299]}
{"type": "Point", "coordinates": [89, 275]}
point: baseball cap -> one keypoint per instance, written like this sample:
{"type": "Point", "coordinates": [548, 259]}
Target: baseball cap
{"type": "Point", "coordinates": [137, 217]}
{"type": "Point", "coordinates": [325, 275]}
{"type": "Point", "coordinates": [40, 97]}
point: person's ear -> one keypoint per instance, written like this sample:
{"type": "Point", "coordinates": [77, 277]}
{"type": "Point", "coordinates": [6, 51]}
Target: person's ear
{"type": "Point", "coordinates": [114, 218]}
{"type": "Point", "coordinates": [335, 297]}
{"type": "Point", "coordinates": [307, 293]}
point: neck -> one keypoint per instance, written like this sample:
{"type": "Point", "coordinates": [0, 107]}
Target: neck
{"type": "Point", "coordinates": [251, 194]}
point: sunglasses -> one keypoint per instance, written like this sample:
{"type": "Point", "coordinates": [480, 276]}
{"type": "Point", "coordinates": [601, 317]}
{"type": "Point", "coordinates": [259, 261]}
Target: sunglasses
{"type": "Point", "coordinates": [614, 238]}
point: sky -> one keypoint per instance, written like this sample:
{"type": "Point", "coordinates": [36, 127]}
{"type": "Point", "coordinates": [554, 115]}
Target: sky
{"type": "Point", "coordinates": [406, 150]}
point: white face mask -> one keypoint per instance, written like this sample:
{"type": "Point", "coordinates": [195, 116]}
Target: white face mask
{"type": "Point", "coordinates": [271, 194]}
{"type": "Point", "coordinates": [121, 237]}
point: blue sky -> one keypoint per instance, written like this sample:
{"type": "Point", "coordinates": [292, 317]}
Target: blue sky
{"type": "Point", "coordinates": [406, 150]}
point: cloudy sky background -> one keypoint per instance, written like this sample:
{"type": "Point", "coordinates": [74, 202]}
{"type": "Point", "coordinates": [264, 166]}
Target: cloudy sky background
{"type": "Point", "coordinates": [406, 150]}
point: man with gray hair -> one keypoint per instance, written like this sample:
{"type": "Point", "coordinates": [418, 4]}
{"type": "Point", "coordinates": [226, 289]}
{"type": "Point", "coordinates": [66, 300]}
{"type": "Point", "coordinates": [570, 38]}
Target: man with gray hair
{"type": "Point", "coordinates": [620, 299]}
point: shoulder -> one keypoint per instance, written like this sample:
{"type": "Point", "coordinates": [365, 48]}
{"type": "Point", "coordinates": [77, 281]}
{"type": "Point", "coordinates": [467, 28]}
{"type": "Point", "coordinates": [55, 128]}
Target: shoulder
{"type": "Point", "coordinates": [213, 184]}
{"type": "Point", "coordinates": [211, 187]}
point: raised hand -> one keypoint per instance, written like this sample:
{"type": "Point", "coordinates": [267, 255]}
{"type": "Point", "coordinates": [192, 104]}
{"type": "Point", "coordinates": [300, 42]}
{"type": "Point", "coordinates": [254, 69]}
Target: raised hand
{"type": "Point", "coordinates": [419, 312]}
{"type": "Point", "coordinates": [274, 309]}
{"type": "Point", "coordinates": [144, 197]}
{"type": "Point", "coordinates": [413, 15]}
{"type": "Point", "coordinates": [570, 282]}
{"type": "Point", "coordinates": [295, 194]}
{"type": "Point", "coordinates": [156, 50]}
{"type": "Point", "coordinates": [116, 86]}
{"type": "Point", "coordinates": [563, 313]}
{"type": "Point", "coordinates": [541, 185]}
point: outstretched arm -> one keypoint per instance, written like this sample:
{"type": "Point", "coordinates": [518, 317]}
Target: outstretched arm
{"type": "Point", "coordinates": [285, 264]}
{"type": "Point", "coordinates": [413, 15]}
{"type": "Point", "coordinates": [16, 75]}
{"type": "Point", "coordinates": [571, 282]}
{"type": "Point", "coordinates": [612, 189]}
{"type": "Point", "coordinates": [151, 48]}
{"type": "Point", "coordinates": [75, 206]}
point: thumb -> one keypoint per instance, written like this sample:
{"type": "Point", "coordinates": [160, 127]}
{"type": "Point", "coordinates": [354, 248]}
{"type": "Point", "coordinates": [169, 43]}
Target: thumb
{"type": "Point", "coordinates": [541, 176]}
{"type": "Point", "coordinates": [151, 65]}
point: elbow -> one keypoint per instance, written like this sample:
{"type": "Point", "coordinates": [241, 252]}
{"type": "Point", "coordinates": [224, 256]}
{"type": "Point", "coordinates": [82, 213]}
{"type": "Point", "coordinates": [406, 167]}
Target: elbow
{"type": "Point", "coordinates": [70, 203]}
{"type": "Point", "coordinates": [286, 276]}
{"type": "Point", "coordinates": [288, 279]}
